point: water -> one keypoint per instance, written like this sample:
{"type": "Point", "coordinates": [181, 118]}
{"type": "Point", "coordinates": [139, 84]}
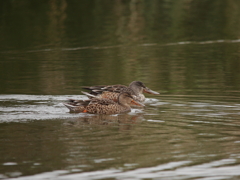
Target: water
{"type": "Point", "coordinates": [173, 137]}
{"type": "Point", "coordinates": [186, 50]}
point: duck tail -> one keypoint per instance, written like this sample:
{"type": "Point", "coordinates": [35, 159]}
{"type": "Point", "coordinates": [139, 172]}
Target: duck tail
{"type": "Point", "coordinates": [74, 109]}
{"type": "Point", "coordinates": [89, 95]}
{"type": "Point", "coordinates": [94, 90]}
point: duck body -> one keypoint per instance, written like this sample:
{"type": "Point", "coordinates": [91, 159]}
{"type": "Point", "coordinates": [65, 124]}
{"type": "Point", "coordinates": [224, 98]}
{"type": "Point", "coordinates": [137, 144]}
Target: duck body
{"type": "Point", "coordinates": [102, 105]}
{"type": "Point", "coordinates": [136, 89]}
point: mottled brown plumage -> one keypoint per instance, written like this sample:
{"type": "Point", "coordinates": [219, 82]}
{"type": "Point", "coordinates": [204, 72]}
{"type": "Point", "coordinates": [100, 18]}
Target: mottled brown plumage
{"type": "Point", "coordinates": [103, 106]}
{"type": "Point", "coordinates": [136, 89]}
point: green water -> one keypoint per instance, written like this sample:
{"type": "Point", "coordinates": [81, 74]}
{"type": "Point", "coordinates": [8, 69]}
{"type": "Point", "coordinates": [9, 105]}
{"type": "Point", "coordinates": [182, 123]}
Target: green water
{"type": "Point", "coordinates": [186, 50]}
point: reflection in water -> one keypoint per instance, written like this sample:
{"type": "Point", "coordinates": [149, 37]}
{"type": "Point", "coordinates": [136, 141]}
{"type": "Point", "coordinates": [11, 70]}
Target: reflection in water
{"type": "Point", "coordinates": [52, 71]}
{"type": "Point", "coordinates": [123, 121]}
{"type": "Point", "coordinates": [92, 42]}
{"type": "Point", "coordinates": [180, 70]}
{"type": "Point", "coordinates": [57, 16]}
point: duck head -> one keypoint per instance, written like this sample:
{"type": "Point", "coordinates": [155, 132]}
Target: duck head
{"type": "Point", "coordinates": [138, 88]}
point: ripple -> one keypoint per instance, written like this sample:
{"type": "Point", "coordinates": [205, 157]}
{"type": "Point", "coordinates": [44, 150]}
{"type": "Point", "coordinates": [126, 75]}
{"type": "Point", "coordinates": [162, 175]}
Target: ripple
{"type": "Point", "coordinates": [222, 169]}
{"type": "Point", "coordinates": [152, 120]}
{"type": "Point", "coordinates": [124, 45]}
{"type": "Point", "coordinates": [16, 108]}
{"type": "Point", "coordinates": [177, 144]}
{"type": "Point", "coordinates": [9, 164]}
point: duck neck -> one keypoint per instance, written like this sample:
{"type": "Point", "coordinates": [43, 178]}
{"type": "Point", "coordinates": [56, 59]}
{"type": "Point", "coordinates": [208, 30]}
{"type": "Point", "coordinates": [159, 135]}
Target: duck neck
{"type": "Point", "coordinates": [125, 107]}
{"type": "Point", "coordinates": [123, 103]}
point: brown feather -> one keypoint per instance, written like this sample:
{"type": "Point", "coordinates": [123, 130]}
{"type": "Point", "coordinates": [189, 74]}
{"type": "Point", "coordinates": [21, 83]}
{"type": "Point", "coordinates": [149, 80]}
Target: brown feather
{"type": "Point", "coordinates": [101, 106]}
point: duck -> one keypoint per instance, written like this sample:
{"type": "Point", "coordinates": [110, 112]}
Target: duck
{"type": "Point", "coordinates": [103, 105]}
{"type": "Point", "coordinates": [135, 88]}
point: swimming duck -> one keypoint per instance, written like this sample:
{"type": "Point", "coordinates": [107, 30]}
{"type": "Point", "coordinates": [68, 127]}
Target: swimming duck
{"type": "Point", "coordinates": [135, 88]}
{"type": "Point", "coordinates": [103, 105]}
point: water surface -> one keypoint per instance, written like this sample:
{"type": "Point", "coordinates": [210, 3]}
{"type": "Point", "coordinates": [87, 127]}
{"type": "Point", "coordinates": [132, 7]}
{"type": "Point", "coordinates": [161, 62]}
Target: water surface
{"type": "Point", "coordinates": [172, 137]}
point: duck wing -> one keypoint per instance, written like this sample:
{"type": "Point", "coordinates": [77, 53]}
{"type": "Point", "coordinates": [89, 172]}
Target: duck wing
{"type": "Point", "coordinates": [102, 101]}
{"type": "Point", "coordinates": [96, 90]}
{"type": "Point", "coordinates": [116, 88]}
{"type": "Point", "coordinates": [75, 102]}
{"type": "Point", "coordinates": [77, 106]}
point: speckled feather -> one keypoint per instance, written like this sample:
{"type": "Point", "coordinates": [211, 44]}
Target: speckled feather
{"type": "Point", "coordinates": [135, 89]}
{"type": "Point", "coordinates": [96, 90]}
{"type": "Point", "coordinates": [112, 91]}
{"type": "Point", "coordinates": [106, 106]}
{"type": "Point", "coordinates": [98, 106]}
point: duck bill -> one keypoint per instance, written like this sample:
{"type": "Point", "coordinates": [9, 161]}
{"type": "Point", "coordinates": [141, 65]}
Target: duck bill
{"type": "Point", "coordinates": [149, 91]}
{"type": "Point", "coordinates": [137, 103]}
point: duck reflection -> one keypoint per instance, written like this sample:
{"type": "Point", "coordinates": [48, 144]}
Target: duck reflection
{"type": "Point", "coordinates": [123, 121]}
